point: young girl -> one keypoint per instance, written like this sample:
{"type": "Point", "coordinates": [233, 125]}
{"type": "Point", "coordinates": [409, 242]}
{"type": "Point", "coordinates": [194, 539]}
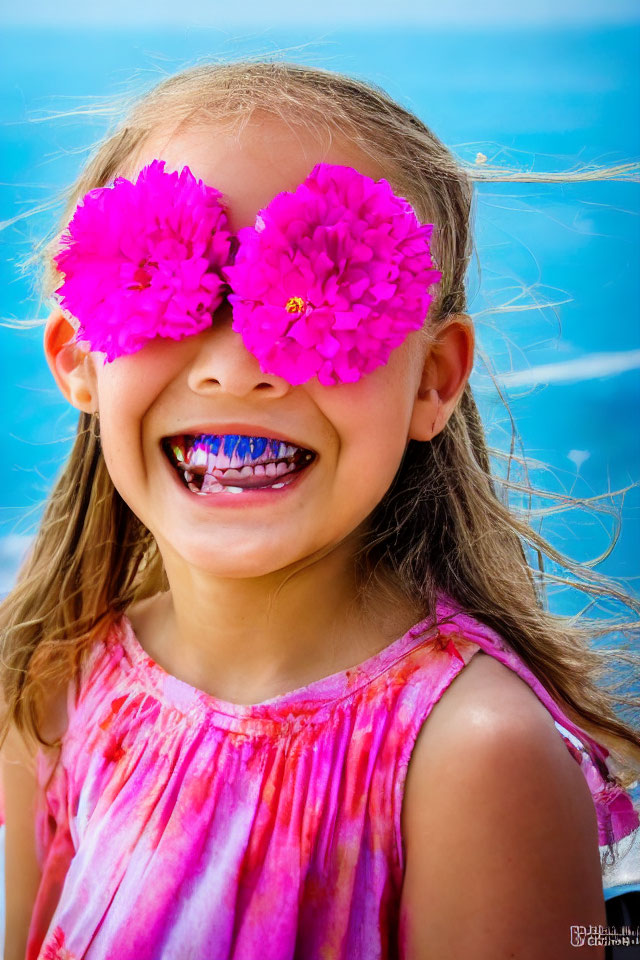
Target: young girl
{"type": "Point", "coordinates": [275, 552]}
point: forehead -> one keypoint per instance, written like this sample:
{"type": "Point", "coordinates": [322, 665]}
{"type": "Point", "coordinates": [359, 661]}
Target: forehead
{"type": "Point", "coordinates": [251, 164]}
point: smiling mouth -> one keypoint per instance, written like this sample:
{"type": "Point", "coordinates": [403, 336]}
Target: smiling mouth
{"type": "Point", "coordinates": [233, 463]}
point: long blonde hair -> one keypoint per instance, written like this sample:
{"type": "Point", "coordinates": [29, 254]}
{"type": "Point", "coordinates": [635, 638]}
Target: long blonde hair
{"type": "Point", "coordinates": [446, 522]}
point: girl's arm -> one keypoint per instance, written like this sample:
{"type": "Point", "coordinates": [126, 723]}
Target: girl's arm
{"type": "Point", "coordinates": [22, 873]}
{"type": "Point", "coordinates": [499, 827]}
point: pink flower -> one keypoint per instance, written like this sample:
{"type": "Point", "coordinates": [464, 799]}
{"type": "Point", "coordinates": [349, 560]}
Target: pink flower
{"type": "Point", "coordinates": [332, 278]}
{"type": "Point", "coordinates": [144, 259]}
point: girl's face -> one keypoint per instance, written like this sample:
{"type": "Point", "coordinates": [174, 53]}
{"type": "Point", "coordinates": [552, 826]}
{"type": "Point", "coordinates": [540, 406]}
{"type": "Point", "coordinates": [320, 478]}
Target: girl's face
{"type": "Point", "coordinates": [209, 383]}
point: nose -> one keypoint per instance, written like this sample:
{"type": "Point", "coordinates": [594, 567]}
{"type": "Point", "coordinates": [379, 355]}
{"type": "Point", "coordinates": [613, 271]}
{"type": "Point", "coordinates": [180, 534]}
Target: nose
{"type": "Point", "coordinates": [224, 365]}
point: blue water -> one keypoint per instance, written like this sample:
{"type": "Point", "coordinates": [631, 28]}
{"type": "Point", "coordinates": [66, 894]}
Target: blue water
{"type": "Point", "coordinates": [535, 98]}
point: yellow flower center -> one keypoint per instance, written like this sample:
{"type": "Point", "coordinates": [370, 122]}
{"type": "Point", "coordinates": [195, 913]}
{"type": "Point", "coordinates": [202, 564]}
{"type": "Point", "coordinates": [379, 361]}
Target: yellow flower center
{"type": "Point", "coordinates": [294, 305]}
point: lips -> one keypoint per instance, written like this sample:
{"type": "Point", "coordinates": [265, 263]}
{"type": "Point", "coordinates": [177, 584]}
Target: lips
{"type": "Point", "coordinates": [215, 463]}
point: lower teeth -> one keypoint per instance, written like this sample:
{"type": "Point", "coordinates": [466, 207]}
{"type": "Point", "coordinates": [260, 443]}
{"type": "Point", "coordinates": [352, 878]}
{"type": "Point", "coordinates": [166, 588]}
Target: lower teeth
{"type": "Point", "coordinates": [220, 488]}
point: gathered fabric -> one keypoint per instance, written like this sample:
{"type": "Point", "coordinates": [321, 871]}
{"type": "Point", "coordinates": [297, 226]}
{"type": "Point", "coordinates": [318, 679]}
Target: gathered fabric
{"type": "Point", "coordinates": [174, 825]}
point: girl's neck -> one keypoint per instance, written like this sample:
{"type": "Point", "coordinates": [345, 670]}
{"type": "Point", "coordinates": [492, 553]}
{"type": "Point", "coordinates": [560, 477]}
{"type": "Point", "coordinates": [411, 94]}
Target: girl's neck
{"type": "Point", "coordinates": [245, 641]}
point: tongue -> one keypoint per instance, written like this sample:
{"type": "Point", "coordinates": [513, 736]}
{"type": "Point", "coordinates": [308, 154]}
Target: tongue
{"type": "Point", "coordinates": [251, 482]}
{"type": "Point", "coordinates": [248, 478]}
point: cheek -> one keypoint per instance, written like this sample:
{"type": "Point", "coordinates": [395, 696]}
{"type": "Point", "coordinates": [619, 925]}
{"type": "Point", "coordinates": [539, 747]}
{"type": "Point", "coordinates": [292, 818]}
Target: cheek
{"type": "Point", "coordinates": [380, 435]}
{"type": "Point", "coordinates": [128, 387]}
{"type": "Point", "coordinates": [372, 422]}
{"type": "Point", "coordinates": [126, 390]}
{"type": "Point", "coordinates": [375, 412]}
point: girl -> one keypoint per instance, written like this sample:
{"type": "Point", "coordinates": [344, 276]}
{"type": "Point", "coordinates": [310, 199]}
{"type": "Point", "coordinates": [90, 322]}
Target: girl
{"type": "Point", "coordinates": [275, 552]}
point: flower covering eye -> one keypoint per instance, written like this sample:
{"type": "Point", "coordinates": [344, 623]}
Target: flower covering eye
{"type": "Point", "coordinates": [144, 260]}
{"type": "Point", "coordinates": [332, 278]}
{"type": "Point", "coordinates": [328, 282]}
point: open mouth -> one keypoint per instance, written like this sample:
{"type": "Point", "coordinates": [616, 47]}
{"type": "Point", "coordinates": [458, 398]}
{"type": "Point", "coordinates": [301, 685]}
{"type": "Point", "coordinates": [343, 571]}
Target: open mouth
{"type": "Point", "coordinates": [233, 463]}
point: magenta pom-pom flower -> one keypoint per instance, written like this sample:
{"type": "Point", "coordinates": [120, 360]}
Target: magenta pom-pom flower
{"type": "Point", "coordinates": [331, 278]}
{"type": "Point", "coordinates": [143, 260]}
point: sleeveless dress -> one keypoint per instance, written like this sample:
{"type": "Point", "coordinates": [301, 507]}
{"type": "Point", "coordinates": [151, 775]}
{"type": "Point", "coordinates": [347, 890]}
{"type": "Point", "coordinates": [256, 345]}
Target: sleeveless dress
{"type": "Point", "coordinates": [176, 826]}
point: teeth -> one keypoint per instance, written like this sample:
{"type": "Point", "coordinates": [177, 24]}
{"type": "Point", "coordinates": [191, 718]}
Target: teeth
{"type": "Point", "coordinates": [211, 485]}
{"type": "Point", "coordinates": [241, 448]}
{"type": "Point", "coordinates": [208, 464]}
{"type": "Point", "coordinates": [198, 457]}
{"type": "Point", "coordinates": [229, 444]}
{"type": "Point", "coordinates": [231, 451]}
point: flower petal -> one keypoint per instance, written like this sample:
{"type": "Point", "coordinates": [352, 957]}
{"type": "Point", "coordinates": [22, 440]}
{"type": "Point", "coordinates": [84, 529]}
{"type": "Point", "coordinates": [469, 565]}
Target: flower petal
{"type": "Point", "coordinates": [144, 259]}
{"type": "Point", "coordinates": [358, 257]}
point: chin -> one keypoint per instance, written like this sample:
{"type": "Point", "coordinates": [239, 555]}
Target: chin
{"type": "Point", "coordinates": [242, 564]}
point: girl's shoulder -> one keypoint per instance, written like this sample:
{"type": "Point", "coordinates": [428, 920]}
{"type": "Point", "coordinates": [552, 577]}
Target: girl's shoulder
{"type": "Point", "coordinates": [486, 706]}
{"type": "Point", "coordinates": [485, 692]}
{"type": "Point", "coordinates": [517, 825]}
{"type": "Point", "coordinates": [496, 707]}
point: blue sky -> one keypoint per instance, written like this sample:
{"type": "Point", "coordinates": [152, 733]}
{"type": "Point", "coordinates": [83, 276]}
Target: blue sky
{"type": "Point", "coordinates": [254, 14]}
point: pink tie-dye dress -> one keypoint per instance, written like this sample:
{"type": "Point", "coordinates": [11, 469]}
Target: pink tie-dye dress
{"type": "Point", "coordinates": [176, 826]}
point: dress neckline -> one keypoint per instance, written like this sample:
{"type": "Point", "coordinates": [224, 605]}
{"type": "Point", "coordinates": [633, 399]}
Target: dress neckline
{"type": "Point", "coordinates": [318, 693]}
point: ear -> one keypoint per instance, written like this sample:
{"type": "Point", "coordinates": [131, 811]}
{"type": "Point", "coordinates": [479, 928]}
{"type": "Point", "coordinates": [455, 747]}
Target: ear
{"type": "Point", "coordinates": [69, 363]}
{"type": "Point", "coordinates": [447, 367]}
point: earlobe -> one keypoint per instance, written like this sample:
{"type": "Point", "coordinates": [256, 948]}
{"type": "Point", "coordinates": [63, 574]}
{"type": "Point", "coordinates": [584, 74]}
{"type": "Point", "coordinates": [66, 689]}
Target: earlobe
{"type": "Point", "coordinates": [446, 369]}
{"type": "Point", "coordinates": [427, 420]}
{"type": "Point", "coordinates": [69, 363]}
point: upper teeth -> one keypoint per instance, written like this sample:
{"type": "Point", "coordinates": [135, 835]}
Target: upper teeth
{"type": "Point", "coordinates": [233, 452]}
{"type": "Point", "coordinates": [199, 457]}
